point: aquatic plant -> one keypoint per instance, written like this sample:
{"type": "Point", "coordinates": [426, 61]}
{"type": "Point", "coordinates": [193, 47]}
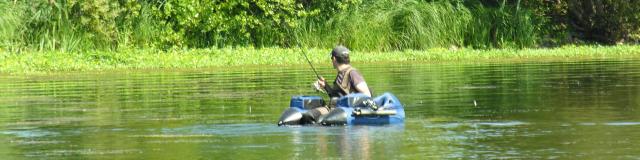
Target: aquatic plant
{"type": "Point", "coordinates": [56, 61]}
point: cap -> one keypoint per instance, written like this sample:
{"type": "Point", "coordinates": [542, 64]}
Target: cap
{"type": "Point", "coordinates": [340, 51]}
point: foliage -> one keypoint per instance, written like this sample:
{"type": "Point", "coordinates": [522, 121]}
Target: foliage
{"type": "Point", "coordinates": [604, 21]}
{"type": "Point", "coordinates": [71, 25]}
{"type": "Point", "coordinates": [10, 25]}
{"type": "Point", "coordinates": [221, 23]}
{"type": "Point", "coordinates": [574, 21]}
{"type": "Point", "coordinates": [322, 10]}
{"type": "Point", "coordinates": [391, 25]}
{"type": "Point", "coordinates": [257, 23]}
{"type": "Point", "coordinates": [56, 61]}
{"type": "Point", "coordinates": [410, 24]}
{"type": "Point", "coordinates": [502, 26]}
{"type": "Point", "coordinates": [376, 25]}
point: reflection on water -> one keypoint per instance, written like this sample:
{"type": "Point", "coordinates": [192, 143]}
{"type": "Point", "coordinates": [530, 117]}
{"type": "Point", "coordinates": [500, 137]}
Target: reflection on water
{"type": "Point", "coordinates": [564, 110]}
{"type": "Point", "coordinates": [338, 142]}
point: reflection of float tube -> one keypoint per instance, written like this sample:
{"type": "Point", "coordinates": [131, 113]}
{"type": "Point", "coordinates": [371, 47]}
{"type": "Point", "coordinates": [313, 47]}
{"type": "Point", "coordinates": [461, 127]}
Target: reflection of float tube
{"type": "Point", "coordinates": [369, 112]}
{"type": "Point", "coordinates": [290, 116]}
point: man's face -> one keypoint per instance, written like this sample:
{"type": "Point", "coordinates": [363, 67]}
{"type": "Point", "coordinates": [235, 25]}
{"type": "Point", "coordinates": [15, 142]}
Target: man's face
{"type": "Point", "coordinates": [335, 63]}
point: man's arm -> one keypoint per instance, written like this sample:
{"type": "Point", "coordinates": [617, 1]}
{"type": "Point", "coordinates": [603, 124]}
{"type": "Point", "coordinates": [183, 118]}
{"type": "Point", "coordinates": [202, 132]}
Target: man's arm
{"type": "Point", "coordinates": [359, 82]}
{"type": "Point", "coordinates": [363, 88]}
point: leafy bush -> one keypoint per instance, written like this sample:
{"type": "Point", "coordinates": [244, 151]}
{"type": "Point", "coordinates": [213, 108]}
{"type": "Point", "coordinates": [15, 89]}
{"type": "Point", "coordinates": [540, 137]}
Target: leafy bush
{"type": "Point", "coordinates": [229, 23]}
{"type": "Point", "coordinates": [605, 21]}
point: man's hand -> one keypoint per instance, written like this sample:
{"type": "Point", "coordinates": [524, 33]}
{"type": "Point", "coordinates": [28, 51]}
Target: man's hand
{"type": "Point", "coordinates": [319, 85]}
{"type": "Point", "coordinates": [321, 82]}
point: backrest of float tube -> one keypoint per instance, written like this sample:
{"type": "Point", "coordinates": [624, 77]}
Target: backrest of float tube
{"type": "Point", "coordinates": [387, 99]}
{"type": "Point", "coordinates": [381, 100]}
{"type": "Point", "coordinates": [392, 100]}
{"type": "Point", "coordinates": [306, 102]}
{"type": "Point", "coordinates": [350, 99]}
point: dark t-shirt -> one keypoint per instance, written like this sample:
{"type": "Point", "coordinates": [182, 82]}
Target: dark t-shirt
{"type": "Point", "coordinates": [355, 79]}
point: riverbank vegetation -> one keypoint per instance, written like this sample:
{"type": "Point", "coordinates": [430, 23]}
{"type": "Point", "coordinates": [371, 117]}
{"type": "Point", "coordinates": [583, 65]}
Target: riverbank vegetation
{"type": "Point", "coordinates": [55, 61]}
{"type": "Point", "coordinates": [103, 34]}
{"type": "Point", "coordinates": [375, 25]}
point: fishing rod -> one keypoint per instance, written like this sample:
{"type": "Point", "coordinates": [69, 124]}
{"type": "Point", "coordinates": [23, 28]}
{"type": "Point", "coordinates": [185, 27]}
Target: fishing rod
{"type": "Point", "coordinates": [305, 55]}
{"type": "Point", "coordinates": [314, 71]}
{"type": "Point", "coordinates": [310, 64]}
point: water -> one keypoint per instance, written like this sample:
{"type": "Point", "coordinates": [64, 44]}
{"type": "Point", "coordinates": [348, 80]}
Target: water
{"type": "Point", "coordinates": [563, 110]}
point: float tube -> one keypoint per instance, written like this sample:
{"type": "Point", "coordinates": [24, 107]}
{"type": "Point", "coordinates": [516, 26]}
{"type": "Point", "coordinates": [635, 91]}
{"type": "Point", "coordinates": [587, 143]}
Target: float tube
{"type": "Point", "coordinates": [353, 109]}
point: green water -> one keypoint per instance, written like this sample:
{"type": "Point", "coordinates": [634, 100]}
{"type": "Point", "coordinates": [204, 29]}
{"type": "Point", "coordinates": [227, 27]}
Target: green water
{"type": "Point", "coordinates": [564, 110]}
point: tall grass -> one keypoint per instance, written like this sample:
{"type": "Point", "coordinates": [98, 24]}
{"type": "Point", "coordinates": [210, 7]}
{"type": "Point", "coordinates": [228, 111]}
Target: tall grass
{"type": "Point", "coordinates": [49, 28]}
{"type": "Point", "coordinates": [411, 24]}
{"type": "Point", "coordinates": [141, 32]}
{"type": "Point", "coordinates": [391, 25]}
{"type": "Point", "coordinates": [10, 26]}
{"type": "Point", "coordinates": [45, 26]}
{"type": "Point", "coordinates": [503, 27]}
{"type": "Point", "coordinates": [24, 28]}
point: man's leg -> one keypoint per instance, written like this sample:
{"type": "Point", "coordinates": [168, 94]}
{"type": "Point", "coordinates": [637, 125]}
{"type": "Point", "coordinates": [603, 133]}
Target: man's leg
{"type": "Point", "coordinates": [313, 115]}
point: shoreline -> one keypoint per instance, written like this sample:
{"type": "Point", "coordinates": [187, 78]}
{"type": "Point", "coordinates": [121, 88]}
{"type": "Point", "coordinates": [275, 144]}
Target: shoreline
{"type": "Point", "coordinates": [141, 59]}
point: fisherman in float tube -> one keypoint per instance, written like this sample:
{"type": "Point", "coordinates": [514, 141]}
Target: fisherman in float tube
{"type": "Point", "coordinates": [348, 80]}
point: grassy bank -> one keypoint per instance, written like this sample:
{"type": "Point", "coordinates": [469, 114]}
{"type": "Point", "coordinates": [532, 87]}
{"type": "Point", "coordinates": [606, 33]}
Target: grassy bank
{"type": "Point", "coordinates": [380, 25]}
{"type": "Point", "coordinates": [51, 61]}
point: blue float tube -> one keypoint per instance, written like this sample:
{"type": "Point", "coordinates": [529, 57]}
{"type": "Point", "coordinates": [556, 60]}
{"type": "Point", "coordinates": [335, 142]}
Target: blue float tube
{"type": "Point", "coordinates": [349, 111]}
{"type": "Point", "coordinates": [344, 113]}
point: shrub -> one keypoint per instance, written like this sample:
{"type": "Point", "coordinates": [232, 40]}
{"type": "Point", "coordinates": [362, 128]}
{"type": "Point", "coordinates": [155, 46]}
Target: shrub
{"type": "Point", "coordinates": [605, 21]}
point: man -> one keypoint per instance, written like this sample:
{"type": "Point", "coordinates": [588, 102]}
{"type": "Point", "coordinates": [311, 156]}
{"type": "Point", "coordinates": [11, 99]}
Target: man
{"type": "Point", "coordinates": [348, 80]}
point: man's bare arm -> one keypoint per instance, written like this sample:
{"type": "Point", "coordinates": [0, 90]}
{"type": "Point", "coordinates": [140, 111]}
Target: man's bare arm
{"type": "Point", "coordinates": [363, 88]}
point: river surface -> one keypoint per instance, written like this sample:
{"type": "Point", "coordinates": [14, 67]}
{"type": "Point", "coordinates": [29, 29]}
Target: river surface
{"type": "Point", "coordinates": [553, 110]}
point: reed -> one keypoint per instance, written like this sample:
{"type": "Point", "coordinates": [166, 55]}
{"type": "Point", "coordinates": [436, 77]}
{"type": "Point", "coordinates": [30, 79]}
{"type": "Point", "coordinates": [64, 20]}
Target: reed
{"type": "Point", "coordinates": [411, 24]}
{"type": "Point", "coordinates": [502, 27]}
{"type": "Point", "coordinates": [10, 27]}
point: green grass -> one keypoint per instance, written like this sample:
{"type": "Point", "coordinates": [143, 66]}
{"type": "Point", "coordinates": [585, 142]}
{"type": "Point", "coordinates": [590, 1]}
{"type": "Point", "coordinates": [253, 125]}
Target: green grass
{"type": "Point", "coordinates": [390, 25]}
{"type": "Point", "coordinates": [56, 61]}
{"type": "Point", "coordinates": [410, 24]}
{"type": "Point", "coordinates": [10, 25]}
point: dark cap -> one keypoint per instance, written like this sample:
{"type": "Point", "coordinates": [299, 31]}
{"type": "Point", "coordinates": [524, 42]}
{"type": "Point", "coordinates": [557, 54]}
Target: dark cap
{"type": "Point", "coordinates": [341, 53]}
